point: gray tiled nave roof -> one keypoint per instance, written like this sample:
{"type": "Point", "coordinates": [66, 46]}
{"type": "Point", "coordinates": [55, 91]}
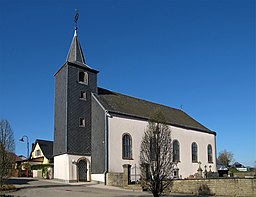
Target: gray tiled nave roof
{"type": "Point", "coordinates": [122, 104]}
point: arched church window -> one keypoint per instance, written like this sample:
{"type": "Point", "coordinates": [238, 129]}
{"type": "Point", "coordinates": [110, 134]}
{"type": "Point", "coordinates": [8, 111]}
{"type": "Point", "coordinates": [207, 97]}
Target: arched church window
{"type": "Point", "coordinates": [176, 151]}
{"type": "Point", "coordinates": [127, 146]}
{"type": "Point", "coordinates": [194, 152]}
{"type": "Point", "coordinates": [83, 77]}
{"type": "Point", "coordinates": [209, 151]}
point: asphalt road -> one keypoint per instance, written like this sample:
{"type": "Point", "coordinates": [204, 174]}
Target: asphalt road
{"type": "Point", "coordinates": [29, 187]}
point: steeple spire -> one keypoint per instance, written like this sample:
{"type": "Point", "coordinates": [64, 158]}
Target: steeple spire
{"type": "Point", "coordinates": [75, 53]}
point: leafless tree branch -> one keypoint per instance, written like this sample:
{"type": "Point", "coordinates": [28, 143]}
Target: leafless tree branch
{"type": "Point", "coordinates": [7, 146]}
{"type": "Point", "coordinates": [156, 156]}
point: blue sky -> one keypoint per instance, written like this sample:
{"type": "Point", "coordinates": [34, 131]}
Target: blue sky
{"type": "Point", "coordinates": [199, 54]}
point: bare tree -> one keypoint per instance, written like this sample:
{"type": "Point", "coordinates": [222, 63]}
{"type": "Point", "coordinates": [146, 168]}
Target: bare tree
{"type": "Point", "coordinates": [226, 157]}
{"type": "Point", "coordinates": [7, 146]}
{"type": "Point", "coordinates": [156, 155]}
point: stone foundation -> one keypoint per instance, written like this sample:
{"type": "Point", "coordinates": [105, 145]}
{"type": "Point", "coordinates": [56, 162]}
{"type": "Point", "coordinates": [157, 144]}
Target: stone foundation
{"type": "Point", "coordinates": [114, 179]}
{"type": "Point", "coordinates": [219, 187]}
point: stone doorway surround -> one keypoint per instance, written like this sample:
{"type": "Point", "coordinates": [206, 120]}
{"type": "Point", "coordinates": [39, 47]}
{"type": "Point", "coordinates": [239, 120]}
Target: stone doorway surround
{"type": "Point", "coordinates": [83, 170]}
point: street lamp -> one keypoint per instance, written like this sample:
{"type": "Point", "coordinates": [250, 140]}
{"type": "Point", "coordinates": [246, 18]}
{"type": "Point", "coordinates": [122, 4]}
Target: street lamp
{"type": "Point", "coordinates": [22, 140]}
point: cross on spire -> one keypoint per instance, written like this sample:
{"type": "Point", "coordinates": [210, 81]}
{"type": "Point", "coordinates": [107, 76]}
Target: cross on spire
{"type": "Point", "coordinates": [75, 54]}
{"type": "Point", "coordinates": [76, 18]}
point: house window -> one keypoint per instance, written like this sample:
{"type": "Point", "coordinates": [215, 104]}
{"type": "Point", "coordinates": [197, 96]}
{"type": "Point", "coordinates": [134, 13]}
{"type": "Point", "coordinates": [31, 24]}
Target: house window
{"type": "Point", "coordinates": [83, 77]}
{"type": "Point", "coordinates": [127, 146]}
{"type": "Point", "coordinates": [81, 122]}
{"type": "Point", "coordinates": [83, 95]}
{"type": "Point", "coordinates": [38, 153]}
{"type": "Point", "coordinates": [209, 151]}
{"type": "Point", "coordinates": [176, 151]}
{"type": "Point", "coordinates": [194, 152]}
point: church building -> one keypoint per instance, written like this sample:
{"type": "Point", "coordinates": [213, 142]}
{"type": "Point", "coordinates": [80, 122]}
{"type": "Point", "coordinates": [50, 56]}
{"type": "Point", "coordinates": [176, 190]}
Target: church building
{"type": "Point", "coordinates": [97, 131]}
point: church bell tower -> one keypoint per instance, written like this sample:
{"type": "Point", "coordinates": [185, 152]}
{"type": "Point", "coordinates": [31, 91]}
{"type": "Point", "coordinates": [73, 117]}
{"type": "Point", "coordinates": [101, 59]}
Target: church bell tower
{"type": "Point", "coordinates": [75, 81]}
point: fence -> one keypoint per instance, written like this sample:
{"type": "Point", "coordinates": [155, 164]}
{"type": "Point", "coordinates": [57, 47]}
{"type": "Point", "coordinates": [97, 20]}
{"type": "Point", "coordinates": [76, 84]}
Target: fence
{"type": "Point", "coordinates": [135, 174]}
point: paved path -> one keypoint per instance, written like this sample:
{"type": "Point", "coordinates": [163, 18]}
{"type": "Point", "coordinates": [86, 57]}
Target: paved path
{"type": "Point", "coordinates": [29, 187]}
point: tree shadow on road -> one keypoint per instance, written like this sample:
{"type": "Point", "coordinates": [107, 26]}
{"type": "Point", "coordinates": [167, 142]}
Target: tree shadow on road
{"type": "Point", "coordinates": [30, 183]}
{"type": "Point", "coordinates": [26, 183]}
{"type": "Point", "coordinates": [19, 181]}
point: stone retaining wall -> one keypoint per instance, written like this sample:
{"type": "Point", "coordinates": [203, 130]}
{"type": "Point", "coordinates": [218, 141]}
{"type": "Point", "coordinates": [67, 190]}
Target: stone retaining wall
{"type": "Point", "coordinates": [219, 187]}
{"type": "Point", "coordinates": [244, 174]}
{"type": "Point", "coordinates": [239, 187]}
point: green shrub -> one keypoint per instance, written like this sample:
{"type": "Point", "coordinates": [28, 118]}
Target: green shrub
{"type": "Point", "coordinates": [41, 166]}
{"type": "Point", "coordinates": [204, 190]}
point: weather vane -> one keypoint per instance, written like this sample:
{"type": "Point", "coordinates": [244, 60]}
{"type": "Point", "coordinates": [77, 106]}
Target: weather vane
{"type": "Point", "coordinates": [76, 18]}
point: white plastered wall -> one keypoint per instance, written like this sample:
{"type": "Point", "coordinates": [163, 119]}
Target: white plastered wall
{"type": "Point", "coordinates": [65, 168]}
{"type": "Point", "coordinates": [186, 138]}
{"type": "Point", "coordinates": [98, 177]}
{"type": "Point", "coordinates": [118, 126]}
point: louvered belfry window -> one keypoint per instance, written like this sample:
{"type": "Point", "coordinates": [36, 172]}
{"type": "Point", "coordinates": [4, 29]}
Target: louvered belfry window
{"type": "Point", "coordinates": [83, 77]}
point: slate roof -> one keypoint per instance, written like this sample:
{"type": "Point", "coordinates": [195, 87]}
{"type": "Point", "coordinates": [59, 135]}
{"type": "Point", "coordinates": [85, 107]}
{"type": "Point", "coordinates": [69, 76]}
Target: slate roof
{"type": "Point", "coordinates": [122, 104]}
{"type": "Point", "coordinates": [237, 165]}
{"type": "Point", "coordinates": [75, 53]}
{"type": "Point", "coordinates": [46, 147]}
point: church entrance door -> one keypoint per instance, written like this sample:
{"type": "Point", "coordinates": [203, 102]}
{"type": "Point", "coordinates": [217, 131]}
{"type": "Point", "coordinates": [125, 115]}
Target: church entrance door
{"type": "Point", "coordinates": [82, 170]}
